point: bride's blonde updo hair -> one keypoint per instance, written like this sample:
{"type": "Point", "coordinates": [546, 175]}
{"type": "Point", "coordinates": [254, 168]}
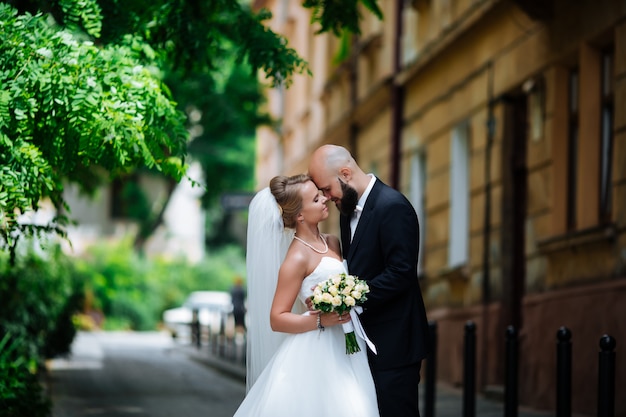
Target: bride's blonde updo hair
{"type": "Point", "coordinates": [286, 191]}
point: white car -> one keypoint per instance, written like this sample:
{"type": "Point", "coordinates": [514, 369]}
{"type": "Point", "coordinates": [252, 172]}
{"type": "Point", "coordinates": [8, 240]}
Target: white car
{"type": "Point", "coordinates": [212, 306]}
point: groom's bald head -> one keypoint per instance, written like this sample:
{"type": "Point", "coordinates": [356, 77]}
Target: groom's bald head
{"type": "Point", "coordinates": [329, 160]}
{"type": "Point", "coordinates": [337, 175]}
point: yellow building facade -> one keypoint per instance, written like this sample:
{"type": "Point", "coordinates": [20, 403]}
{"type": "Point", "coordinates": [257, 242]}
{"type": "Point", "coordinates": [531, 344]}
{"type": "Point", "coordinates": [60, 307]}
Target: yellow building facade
{"type": "Point", "coordinates": [504, 123]}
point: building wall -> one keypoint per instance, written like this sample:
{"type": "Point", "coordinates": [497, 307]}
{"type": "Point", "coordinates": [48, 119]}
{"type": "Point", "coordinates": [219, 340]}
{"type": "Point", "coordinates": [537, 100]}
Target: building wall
{"type": "Point", "coordinates": [180, 235]}
{"type": "Point", "coordinates": [485, 109]}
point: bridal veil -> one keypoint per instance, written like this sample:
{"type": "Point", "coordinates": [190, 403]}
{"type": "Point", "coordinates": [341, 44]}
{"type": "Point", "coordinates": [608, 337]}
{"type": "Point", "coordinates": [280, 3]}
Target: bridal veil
{"type": "Point", "coordinates": [267, 244]}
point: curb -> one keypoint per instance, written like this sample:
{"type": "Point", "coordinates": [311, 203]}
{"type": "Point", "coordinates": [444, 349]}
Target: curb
{"type": "Point", "coordinates": [222, 365]}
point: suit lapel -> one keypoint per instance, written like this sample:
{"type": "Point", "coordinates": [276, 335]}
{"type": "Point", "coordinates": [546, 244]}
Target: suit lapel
{"type": "Point", "coordinates": [344, 225]}
{"type": "Point", "coordinates": [366, 216]}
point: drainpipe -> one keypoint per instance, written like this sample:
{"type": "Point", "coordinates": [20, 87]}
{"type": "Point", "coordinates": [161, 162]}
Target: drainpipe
{"type": "Point", "coordinates": [486, 291]}
{"type": "Point", "coordinates": [491, 127]}
{"type": "Point", "coordinates": [397, 102]}
{"type": "Point", "coordinates": [354, 78]}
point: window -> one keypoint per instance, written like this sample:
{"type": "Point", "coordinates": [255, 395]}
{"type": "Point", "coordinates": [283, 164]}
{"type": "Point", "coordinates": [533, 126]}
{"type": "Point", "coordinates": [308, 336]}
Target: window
{"type": "Point", "coordinates": [410, 47]}
{"type": "Point", "coordinates": [417, 195]}
{"type": "Point", "coordinates": [572, 148]}
{"type": "Point", "coordinates": [458, 246]}
{"type": "Point", "coordinates": [606, 139]}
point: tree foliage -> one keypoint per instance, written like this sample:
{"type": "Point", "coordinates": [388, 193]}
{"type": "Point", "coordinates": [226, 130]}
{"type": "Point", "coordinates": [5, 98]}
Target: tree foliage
{"type": "Point", "coordinates": [82, 97]}
{"type": "Point", "coordinates": [70, 110]}
{"type": "Point", "coordinates": [340, 16]}
{"type": "Point", "coordinates": [223, 121]}
{"type": "Point", "coordinates": [193, 35]}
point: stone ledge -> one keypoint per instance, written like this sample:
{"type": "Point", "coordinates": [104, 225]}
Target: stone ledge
{"type": "Point", "coordinates": [605, 233]}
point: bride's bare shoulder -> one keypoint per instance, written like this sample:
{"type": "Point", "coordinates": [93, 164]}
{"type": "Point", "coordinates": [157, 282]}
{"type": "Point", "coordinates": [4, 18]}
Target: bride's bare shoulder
{"type": "Point", "coordinates": [296, 262]}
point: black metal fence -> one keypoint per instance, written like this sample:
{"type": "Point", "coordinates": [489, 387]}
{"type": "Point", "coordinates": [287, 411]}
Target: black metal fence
{"type": "Point", "coordinates": [223, 341]}
{"type": "Point", "coordinates": [606, 373]}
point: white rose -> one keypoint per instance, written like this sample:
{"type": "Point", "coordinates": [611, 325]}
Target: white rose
{"type": "Point", "coordinates": [317, 298]}
{"type": "Point", "coordinates": [349, 301]}
{"type": "Point", "coordinates": [327, 298]}
{"type": "Point", "coordinates": [360, 287]}
{"type": "Point", "coordinates": [346, 291]}
{"type": "Point", "coordinates": [336, 280]}
{"type": "Point", "coordinates": [336, 301]}
{"type": "Point", "coordinates": [356, 294]}
{"type": "Point", "coordinates": [333, 290]}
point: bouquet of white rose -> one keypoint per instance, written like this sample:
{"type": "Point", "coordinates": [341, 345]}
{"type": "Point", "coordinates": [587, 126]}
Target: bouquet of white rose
{"type": "Point", "coordinates": [339, 293]}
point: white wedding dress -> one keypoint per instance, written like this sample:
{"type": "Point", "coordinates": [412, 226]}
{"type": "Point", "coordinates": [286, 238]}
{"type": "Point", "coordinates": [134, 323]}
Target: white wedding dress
{"type": "Point", "coordinates": [310, 375]}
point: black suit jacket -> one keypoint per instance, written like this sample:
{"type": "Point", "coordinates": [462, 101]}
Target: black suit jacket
{"type": "Point", "coordinates": [384, 252]}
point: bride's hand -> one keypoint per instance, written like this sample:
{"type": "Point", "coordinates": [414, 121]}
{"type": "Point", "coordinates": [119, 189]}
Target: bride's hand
{"type": "Point", "coordinates": [333, 319]}
{"type": "Point", "coordinates": [343, 318]}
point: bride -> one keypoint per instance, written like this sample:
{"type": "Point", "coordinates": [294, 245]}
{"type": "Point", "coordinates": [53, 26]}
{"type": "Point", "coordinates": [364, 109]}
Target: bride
{"type": "Point", "coordinates": [297, 361]}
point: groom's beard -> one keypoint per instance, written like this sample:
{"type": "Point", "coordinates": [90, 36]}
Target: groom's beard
{"type": "Point", "coordinates": [347, 203]}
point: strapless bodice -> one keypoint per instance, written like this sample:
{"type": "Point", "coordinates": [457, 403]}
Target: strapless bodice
{"type": "Point", "coordinates": [327, 266]}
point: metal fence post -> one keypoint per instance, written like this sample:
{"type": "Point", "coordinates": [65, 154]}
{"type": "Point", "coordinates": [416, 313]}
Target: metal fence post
{"type": "Point", "coordinates": [606, 377]}
{"type": "Point", "coordinates": [209, 336]}
{"type": "Point", "coordinates": [431, 372]}
{"type": "Point", "coordinates": [510, 373]}
{"type": "Point", "coordinates": [222, 348]}
{"type": "Point", "coordinates": [195, 328]}
{"type": "Point", "coordinates": [564, 373]}
{"type": "Point", "coordinates": [214, 332]}
{"type": "Point", "coordinates": [469, 373]}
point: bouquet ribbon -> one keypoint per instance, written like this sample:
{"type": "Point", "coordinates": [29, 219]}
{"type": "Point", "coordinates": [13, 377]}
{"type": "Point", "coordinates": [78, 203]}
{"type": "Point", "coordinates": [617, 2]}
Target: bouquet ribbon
{"type": "Point", "coordinates": [358, 327]}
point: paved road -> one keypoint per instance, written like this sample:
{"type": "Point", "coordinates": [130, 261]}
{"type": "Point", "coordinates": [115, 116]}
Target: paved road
{"type": "Point", "coordinates": [123, 374]}
{"type": "Point", "coordinates": [448, 403]}
{"type": "Point", "coordinates": [118, 374]}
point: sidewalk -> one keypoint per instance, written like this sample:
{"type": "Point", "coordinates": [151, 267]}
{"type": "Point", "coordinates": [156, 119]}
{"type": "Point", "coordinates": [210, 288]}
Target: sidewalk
{"type": "Point", "coordinates": [448, 403]}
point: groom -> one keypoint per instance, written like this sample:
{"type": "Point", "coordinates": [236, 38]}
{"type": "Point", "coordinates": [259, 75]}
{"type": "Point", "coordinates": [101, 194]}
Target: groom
{"type": "Point", "coordinates": [380, 241]}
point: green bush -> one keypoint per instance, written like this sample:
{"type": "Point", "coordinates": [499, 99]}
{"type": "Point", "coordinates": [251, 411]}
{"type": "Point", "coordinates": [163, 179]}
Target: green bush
{"type": "Point", "coordinates": [132, 291]}
{"type": "Point", "coordinates": [20, 392]}
{"type": "Point", "coordinates": [38, 296]}
{"type": "Point", "coordinates": [43, 292]}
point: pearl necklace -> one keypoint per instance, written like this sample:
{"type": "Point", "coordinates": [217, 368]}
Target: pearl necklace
{"type": "Point", "coordinates": [312, 247]}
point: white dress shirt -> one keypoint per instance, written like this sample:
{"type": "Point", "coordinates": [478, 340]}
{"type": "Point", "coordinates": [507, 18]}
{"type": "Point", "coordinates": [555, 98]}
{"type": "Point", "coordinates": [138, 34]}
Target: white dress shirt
{"type": "Point", "coordinates": [354, 220]}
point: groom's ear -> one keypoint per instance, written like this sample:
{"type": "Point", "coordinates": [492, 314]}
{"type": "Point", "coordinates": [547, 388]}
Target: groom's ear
{"type": "Point", "coordinates": [346, 174]}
